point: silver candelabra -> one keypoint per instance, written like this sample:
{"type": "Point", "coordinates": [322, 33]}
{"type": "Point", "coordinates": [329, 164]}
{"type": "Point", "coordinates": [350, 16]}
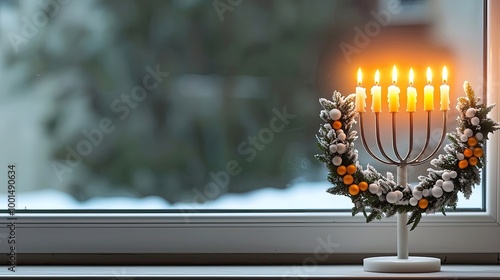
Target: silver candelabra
{"type": "Point", "coordinates": [402, 263]}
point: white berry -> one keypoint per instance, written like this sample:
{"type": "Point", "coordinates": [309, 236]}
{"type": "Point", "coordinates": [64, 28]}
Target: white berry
{"type": "Point", "coordinates": [437, 192]}
{"type": "Point", "coordinates": [446, 176]}
{"type": "Point", "coordinates": [426, 192]}
{"type": "Point", "coordinates": [333, 148]}
{"type": "Point", "coordinates": [391, 197]}
{"type": "Point", "coordinates": [460, 156]}
{"type": "Point", "coordinates": [468, 132]}
{"type": "Point", "coordinates": [341, 148]}
{"type": "Point", "coordinates": [341, 136]}
{"type": "Point", "coordinates": [439, 182]}
{"type": "Point", "coordinates": [475, 121]}
{"type": "Point", "coordinates": [471, 112]}
{"type": "Point", "coordinates": [413, 201]}
{"type": "Point", "coordinates": [448, 186]}
{"type": "Point", "coordinates": [417, 194]}
{"type": "Point", "coordinates": [399, 194]}
{"type": "Point", "coordinates": [335, 114]}
{"type": "Point", "coordinates": [464, 138]}
{"type": "Point", "coordinates": [337, 160]}
{"type": "Point", "coordinates": [373, 188]}
{"type": "Point", "coordinates": [479, 136]}
{"type": "Point", "coordinates": [453, 174]}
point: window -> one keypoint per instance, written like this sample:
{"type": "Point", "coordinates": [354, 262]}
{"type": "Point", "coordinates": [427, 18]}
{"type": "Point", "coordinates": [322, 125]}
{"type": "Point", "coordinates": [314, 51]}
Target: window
{"type": "Point", "coordinates": [268, 232]}
{"type": "Point", "coordinates": [208, 119]}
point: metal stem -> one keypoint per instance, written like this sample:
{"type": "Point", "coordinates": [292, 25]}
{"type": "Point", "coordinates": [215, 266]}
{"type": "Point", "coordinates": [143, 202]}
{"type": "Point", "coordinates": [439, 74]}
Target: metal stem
{"type": "Point", "coordinates": [403, 247]}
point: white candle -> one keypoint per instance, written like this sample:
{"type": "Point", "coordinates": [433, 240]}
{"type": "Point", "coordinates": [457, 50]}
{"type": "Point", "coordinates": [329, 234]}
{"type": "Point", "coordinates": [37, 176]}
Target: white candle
{"type": "Point", "coordinates": [429, 92]}
{"type": "Point", "coordinates": [411, 92]}
{"type": "Point", "coordinates": [376, 94]}
{"type": "Point", "coordinates": [360, 94]}
{"type": "Point", "coordinates": [393, 93]}
{"type": "Point", "coordinates": [445, 92]}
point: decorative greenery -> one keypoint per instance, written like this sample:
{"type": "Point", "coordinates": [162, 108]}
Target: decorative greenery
{"type": "Point", "coordinates": [457, 170]}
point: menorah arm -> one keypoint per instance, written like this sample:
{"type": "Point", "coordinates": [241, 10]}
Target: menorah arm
{"type": "Point", "coordinates": [427, 137]}
{"type": "Point", "coordinates": [438, 146]}
{"type": "Point", "coordinates": [367, 148]}
{"type": "Point", "coordinates": [394, 138]}
{"type": "Point", "coordinates": [379, 142]}
{"type": "Point", "coordinates": [410, 148]}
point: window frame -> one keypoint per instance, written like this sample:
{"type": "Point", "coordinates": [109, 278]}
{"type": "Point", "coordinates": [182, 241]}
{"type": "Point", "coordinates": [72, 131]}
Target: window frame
{"type": "Point", "coordinates": [271, 233]}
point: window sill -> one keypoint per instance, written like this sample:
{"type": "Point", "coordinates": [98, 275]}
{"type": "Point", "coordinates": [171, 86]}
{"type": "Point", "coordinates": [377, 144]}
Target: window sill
{"type": "Point", "coordinates": [243, 272]}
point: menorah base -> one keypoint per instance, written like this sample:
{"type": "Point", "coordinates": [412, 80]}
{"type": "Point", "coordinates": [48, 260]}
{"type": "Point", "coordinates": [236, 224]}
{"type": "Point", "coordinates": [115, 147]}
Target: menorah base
{"type": "Point", "coordinates": [410, 265]}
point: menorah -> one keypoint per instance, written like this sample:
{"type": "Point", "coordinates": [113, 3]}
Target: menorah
{"type": "Point", "coordinates": [457, 168]}
{"type": "Point", "coordinates": [402, 262]}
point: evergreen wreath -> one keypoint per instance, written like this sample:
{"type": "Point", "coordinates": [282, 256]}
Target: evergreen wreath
{"type": "Point", "coordinates": [457, 170]}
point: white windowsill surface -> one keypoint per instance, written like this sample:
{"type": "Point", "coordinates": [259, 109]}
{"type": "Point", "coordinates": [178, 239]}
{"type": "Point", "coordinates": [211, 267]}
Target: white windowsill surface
{"type": "Point", "coordinates": [243, 272]}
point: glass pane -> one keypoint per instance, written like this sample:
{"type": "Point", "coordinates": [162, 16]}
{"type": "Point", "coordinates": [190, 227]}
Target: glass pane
{"type": "Point", "coordinates": [205, 104]}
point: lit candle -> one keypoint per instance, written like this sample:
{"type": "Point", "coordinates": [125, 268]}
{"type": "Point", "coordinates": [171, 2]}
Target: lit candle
{"type": "Point", "coordinates": [393, 93]}
{"type": "Point", "coordinates": [429, 92]}
{"type": "Point", "coordinates": [360, 94]}
{"type": "Point", "coordinates": [411, 92]}
{"type": "Point", "coordinates": [377, 95]}
{"type": "Point", "coordinates": [445, 92]}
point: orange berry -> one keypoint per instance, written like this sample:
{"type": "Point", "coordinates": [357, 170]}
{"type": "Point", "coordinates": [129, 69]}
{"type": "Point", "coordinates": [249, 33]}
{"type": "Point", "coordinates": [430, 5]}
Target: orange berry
{"type": "Point", "coordinates": [341, 170]}
{"type": "Point", "coordinates": [351, 169]}
{"type": "Point", "coordinates": [468, 152]}
{"type": "Point", "coordinates": [463, 164]}
{"type": "Point", "coordinates": [353, 189]}
{"type": "Point", "coordinates": [423, 203]}
{"type": "Point", "coordinates": [337, 125]}
{"type": "Point", "coordinates": [472, 141]}
{"type": "Point", "coordinates": [348, 179]}
{"type": "Point", "coordinates": [473, 161]}
{"type": "Point", "coordinates": [478, 152]}
{"type": "Point", "coordinates": [363, 186]}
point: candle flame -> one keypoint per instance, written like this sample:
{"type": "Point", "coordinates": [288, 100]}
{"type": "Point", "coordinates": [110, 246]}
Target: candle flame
{"type": "Point", "coordinates": [445, 75]}
{"type": "Point", "coordinates": [411, 76]}
{"type": "Point", "coordinates": [377, 77]}
{"type": "Point", "coordinates": [394, 75]}
{"type": "Point", "coordinates": [429, 75]}
{"type": "Point", "coordinates": [359, 77]}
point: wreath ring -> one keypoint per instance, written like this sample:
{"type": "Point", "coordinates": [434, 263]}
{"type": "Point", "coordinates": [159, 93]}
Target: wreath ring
{"type": "Point", "coordinates": [457, 170]}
